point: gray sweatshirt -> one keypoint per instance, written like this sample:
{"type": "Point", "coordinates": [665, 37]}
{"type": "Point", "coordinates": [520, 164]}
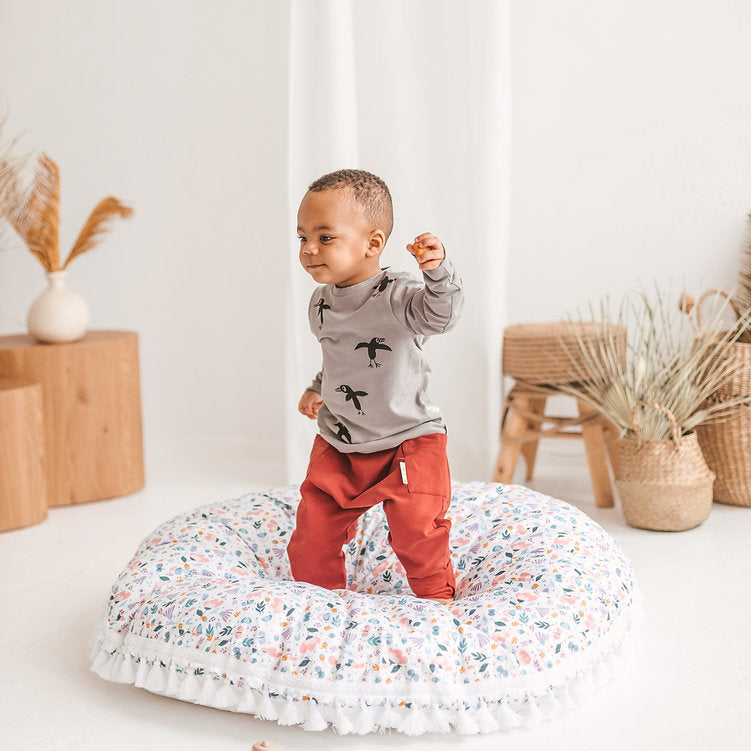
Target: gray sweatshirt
{"type": "Point", "coordinates": [375, 379]}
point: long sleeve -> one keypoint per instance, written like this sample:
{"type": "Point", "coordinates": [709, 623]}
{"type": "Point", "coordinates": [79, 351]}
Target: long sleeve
{"type": "Point", "coordinates": [316, 382]}
{"type": "Point", "coordinates": [436, 306]}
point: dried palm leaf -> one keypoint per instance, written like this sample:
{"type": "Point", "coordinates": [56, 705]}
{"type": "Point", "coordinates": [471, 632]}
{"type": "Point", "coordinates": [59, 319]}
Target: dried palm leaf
{"type": "Point", "coordinates": [743, 294]}
{"type": "Point", "coordinates": [97, 225]}
{"type": "Point", "coordinates": [669, 360]}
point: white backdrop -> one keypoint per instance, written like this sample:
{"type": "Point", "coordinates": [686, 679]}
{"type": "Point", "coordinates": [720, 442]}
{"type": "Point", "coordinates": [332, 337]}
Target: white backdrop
{"type": "Point", "coordinates": [211, 119]}
{"type": "Point", "coordinates": [631, 148]}
{"type": "Point", "coordinates": [631, 158]}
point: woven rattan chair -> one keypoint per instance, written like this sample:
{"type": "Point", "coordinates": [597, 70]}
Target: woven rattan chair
{"type": "Point", "coordinates": [540, 357]}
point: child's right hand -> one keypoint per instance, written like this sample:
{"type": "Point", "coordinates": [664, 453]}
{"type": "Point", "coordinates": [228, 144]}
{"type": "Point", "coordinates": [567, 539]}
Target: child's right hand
{"type": "Point", "coordinates": [428, 250]}
{"type": "Point", "coordinates": [310, 403]}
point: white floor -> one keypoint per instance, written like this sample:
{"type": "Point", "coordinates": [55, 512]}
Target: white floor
{"type": "Point", "coordinates": [687, 687]}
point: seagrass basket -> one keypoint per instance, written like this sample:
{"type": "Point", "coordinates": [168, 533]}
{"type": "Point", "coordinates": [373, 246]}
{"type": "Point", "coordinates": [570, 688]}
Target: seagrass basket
{"type": "Point", "coordinates": [663, 485]}
{"type": "Point", "coordinates": [550, 352]}
{"type": "Point", "coordinates": [727, 444]}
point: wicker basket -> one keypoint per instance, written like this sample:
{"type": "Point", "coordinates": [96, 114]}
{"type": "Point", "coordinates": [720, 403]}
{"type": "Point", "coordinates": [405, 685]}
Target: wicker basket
{"type": "Point", "coordinates": [550, 352]}
{"type": "Point", "coordinates": [727, 445]}
{"type": "Point", "coordinates": [664, 485]}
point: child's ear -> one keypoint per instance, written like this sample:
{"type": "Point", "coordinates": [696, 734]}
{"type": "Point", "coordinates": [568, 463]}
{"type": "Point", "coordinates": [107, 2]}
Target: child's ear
{"type": "Point", "coordinates": [376, 242]}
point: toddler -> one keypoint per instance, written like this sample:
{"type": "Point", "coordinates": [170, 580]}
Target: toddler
{"type": "Point", "coordinates": [381, 440]}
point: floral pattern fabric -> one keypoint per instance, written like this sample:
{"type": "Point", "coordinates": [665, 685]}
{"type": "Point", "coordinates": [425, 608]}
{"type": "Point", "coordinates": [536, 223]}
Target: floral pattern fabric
{"type": "Point", "coordinates": [206, 611]}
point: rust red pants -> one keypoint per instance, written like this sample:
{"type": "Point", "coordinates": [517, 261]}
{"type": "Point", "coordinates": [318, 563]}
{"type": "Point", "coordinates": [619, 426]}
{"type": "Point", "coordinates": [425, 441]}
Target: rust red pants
{"type": "Point", "coordinates": [413, 483]}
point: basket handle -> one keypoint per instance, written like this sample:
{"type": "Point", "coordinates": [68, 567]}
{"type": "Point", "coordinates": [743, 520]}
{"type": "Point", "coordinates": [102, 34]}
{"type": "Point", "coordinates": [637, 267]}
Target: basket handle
{"type": "Point", "coordinates": [668, 414]}
{"type": "Point", "coordinates": [687, 304]}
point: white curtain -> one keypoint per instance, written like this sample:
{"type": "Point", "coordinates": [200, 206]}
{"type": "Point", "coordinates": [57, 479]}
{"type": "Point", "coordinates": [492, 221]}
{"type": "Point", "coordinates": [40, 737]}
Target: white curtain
{"type": "Point", "coordinates": [417, 92]}
{"type": "Point", "coordinates": [322, 137]}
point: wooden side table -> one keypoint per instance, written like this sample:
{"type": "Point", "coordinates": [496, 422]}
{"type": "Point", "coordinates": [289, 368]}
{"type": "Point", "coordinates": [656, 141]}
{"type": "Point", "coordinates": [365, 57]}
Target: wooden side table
{"type": "Point", "coordinates": [92, 412]}
{"type": "Point", "coordinates": [23, 490]}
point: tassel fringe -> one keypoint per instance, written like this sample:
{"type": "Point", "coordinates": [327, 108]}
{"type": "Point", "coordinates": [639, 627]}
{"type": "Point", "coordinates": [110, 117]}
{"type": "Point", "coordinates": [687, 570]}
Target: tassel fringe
{"type": "Point", "coordinates": [168, 676]}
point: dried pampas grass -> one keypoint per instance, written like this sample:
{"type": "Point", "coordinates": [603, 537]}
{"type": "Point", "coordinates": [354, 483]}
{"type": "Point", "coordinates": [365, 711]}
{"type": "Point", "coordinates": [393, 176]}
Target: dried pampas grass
{"type": "Point", "coordinates": [671, 361]}
{"type": "Point", "coordinates": [97, 225]}
{"type": "Point", "coordinates": [36, 220]}
{"type": "Point", "coordinates": [11, 166]}
{"type": "Point", "coordinates": [34, 213]}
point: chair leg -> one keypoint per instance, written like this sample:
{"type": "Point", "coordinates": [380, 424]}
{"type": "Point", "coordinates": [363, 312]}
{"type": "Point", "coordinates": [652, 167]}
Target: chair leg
{"type": "Point", "coordinates": [594, 442]}
{"type": "Point", "coordinates": [511, 431]}
{"type": "Point", "coordinates": [612, 436]}
{"type": "Point", "coordinates": [529, 449]}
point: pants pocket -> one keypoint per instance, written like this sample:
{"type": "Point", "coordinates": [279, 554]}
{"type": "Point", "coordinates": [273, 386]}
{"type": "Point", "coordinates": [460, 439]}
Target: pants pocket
{"type": "Point", "coordinates": [425, 469]}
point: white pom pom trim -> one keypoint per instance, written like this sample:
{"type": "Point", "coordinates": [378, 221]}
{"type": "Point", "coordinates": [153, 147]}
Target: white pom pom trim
{"type": "Point", "coordinates": [170, 671]}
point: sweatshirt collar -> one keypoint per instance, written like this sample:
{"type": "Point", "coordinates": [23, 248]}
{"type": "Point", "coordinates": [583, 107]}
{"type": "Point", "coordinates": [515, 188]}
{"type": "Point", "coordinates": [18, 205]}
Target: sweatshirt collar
{"type": "Point", "coordinates": [359, 287]}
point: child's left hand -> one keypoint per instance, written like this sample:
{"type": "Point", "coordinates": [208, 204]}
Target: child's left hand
{"type": "Point", "coordinates": [428, 250]}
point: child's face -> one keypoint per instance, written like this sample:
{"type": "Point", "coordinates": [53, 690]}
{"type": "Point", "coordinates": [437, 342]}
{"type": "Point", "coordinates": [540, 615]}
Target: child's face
{"type": "Point", "coordinates": [337, 243]}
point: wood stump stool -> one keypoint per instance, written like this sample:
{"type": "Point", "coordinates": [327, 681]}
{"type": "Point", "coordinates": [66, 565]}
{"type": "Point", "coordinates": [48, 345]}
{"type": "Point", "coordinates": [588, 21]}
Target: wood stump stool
{"type": "Point", "coordinates": [537, 356]}
{"type": "Point", "coordinates": [23, 490]}
{"type": "Point", "coordinates": [92, 412]}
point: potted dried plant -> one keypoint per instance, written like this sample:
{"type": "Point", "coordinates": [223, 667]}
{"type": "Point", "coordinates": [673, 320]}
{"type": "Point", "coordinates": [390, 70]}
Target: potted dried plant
{"type": "Point", "coordinates": [657, 402]}
{"type": "Point", "coordinates": [727, 445]}
{"type": "Point", "coordinates": [58, 314]}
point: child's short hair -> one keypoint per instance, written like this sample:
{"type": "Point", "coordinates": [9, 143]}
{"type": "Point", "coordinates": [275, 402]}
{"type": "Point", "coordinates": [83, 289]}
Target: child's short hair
{"type": "Point", "coordinates": [368, 190]}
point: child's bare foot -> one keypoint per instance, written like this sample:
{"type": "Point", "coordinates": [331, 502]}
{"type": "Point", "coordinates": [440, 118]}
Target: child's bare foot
{"type": "Point", "coordinates": [442, 600]}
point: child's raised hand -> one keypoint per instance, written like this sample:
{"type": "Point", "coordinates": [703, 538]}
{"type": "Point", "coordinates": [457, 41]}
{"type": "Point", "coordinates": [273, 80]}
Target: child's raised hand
{"type": "Point", "coordinates": [310, 403]}
{"type": "Point", "coordinates": [428, 250]}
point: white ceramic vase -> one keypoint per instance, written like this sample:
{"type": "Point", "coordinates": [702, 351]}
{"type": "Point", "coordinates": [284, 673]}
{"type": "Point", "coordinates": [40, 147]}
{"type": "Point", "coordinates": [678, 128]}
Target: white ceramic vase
{"type": "Point", "coordinates": [58, 314]}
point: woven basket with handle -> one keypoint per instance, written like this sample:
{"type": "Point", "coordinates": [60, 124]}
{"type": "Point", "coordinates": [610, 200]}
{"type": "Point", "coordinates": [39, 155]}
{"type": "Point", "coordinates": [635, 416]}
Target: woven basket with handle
{"type": "Point", "coordinates": [727, 445]}
{"type": "Point", "coordinates": [663, 485]}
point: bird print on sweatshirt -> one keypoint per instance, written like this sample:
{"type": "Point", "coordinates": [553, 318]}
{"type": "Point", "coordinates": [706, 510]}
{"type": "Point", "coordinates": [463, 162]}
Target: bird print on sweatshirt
{"type": "Point", "coordinates": [382, 286]}
{"type": "Point", "coordinates": [342, 433]}
{"type": "Point", "coordinates": [352, 396]}
{"type": "Point", "coordinates": [321, 306]}
{"type": "Point", "coordinates": [373, 346]}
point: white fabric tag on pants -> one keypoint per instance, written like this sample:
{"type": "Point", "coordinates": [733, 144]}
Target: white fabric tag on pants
{"type": "Point", "coordinates": [403, 467]}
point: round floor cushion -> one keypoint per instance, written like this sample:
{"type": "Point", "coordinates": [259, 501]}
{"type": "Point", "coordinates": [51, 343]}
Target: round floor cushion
{"type": "Point", "coordinates": [206, 612]}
